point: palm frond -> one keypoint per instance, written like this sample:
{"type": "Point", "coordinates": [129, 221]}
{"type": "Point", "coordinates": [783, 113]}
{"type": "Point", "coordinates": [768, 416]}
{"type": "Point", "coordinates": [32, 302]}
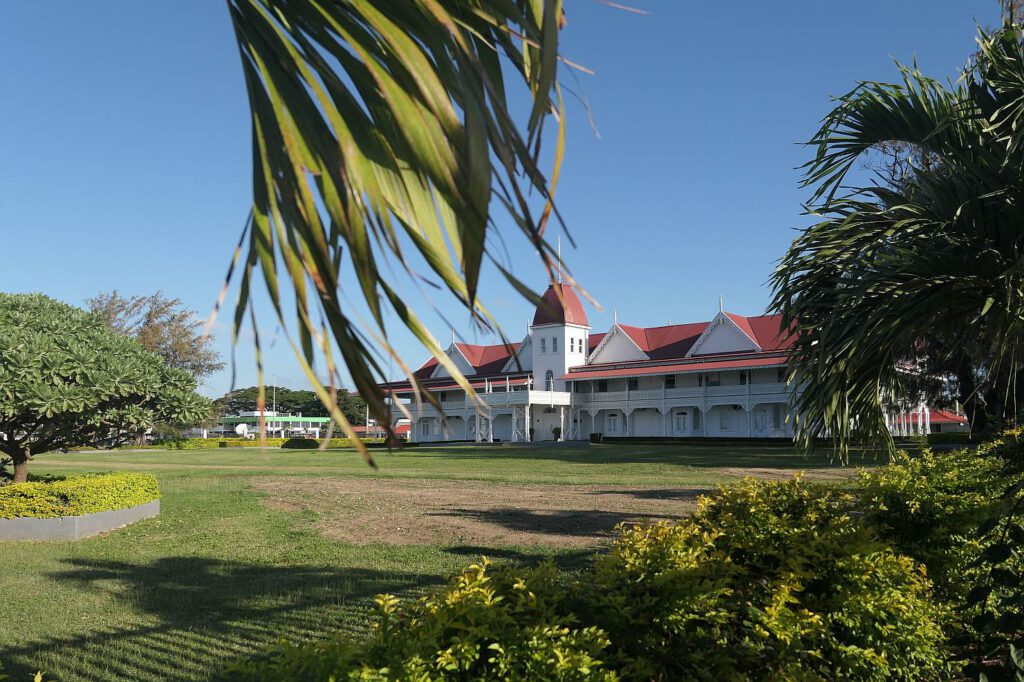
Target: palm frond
{"type": "Point", "coordinates": [383, 127]}
{"type": "Point", "coordinates": [936, 256]}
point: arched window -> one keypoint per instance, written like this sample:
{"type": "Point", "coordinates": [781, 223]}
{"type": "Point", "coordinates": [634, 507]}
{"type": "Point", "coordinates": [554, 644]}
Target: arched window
{"type": "Point", "coordinates": [549, 380]}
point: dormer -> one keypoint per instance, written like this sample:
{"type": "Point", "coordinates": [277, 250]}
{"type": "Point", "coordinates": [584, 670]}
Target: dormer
{"type": "Point", "coordinates": [727, 333]}
{"type": "Point", "coordinates": [620, 344]}
{"type": "Point", "coordinates": [458, 357]}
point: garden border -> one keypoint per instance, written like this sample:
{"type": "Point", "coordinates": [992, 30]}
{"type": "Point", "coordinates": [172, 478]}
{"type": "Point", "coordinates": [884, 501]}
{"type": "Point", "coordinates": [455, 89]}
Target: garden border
{"type": "Point", "coordinates": [75, 527]}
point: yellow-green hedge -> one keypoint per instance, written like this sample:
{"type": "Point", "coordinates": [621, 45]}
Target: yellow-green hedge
{"type": "Point", "coordinates": [77, 496]}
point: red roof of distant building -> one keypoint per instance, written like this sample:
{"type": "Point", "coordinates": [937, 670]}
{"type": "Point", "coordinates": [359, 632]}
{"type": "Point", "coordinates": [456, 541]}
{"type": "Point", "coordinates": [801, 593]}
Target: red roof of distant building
{"type": "Point", "coordinates": [936, 416]}
{"type": "Point", "coordinates": [560, 306]}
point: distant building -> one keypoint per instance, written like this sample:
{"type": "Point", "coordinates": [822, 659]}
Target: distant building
{"type": "Point", "coordinates": [278, 425]}
{"type": "Point", "coordinates": [722, 378]}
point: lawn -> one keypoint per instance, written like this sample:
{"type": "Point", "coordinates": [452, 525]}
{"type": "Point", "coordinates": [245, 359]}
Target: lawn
{"type": "Point", "coordinates": [254, 545]}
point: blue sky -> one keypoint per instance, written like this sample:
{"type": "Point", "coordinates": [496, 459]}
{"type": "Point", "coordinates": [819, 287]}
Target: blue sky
{"type": "Point", "coordinates": [125, 161]}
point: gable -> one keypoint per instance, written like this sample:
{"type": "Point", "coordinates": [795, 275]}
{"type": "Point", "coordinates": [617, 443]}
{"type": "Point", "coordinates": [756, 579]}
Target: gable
{"type": "Point", "coordinates": [522, 359]}
{"type": "Point", "coordinates": [460, 361]}
{"type": "Point", "coordinates": [724, 335]}
{"type": "Point", "coordinates": [617, 346]}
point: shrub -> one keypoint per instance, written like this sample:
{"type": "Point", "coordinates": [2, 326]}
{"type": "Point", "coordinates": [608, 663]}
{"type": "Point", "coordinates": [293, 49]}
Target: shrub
{"type": "Point", "coordinates": [951, 438]}
{"type": "Point", "coordinates": [488, 625]}
{"type": "Point", "coordinates": [78, 495]}
{"type": "Point", "coordinates": [930, 505]}
{"type": "Point", "coordinates": [254, 443]}
{"type": "Point", "coordinates": [766, 580]}
{"type": "Point", "coordinates": [301, 444]}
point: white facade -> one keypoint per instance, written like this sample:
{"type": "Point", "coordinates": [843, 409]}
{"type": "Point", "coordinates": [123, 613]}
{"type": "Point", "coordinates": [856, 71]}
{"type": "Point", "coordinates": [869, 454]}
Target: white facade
{"type": "Point", "coordinates": [724, 378]}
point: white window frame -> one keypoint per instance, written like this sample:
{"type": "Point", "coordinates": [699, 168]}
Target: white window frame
{"type": "Point", "coordinates": [543, 345]}
{"type": "Point", "coordinates": [554, 344]}
{"type": "Point", "coordinates": [611, 422]}
{"type": "Point", "coordinates": [725, 420]}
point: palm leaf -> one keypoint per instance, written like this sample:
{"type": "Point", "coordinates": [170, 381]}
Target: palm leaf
{"type": "Point", "coordinates": [382, 129]}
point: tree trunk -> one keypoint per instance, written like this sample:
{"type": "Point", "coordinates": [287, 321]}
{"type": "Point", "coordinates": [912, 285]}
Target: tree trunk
{"type": "Point", "coordinates": [20, 467]}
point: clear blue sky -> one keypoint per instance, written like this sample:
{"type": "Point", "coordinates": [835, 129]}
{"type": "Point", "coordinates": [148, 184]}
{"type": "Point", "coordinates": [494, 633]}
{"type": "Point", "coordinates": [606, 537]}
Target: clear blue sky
{"type": "Point", "coordinates": [124, 148]}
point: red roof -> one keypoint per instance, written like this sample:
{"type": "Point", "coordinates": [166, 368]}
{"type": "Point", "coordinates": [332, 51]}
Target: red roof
{"type": "Point", "coordinates": [483, 359]}
{"type": "Point", "coordinates": [675, 340]}
{"type": "Point", "coordinates": [561, 306]}
{"type": "Point", "coordinates": [702, 365]}
{"type": "Point", "coordinates": [936, 416]}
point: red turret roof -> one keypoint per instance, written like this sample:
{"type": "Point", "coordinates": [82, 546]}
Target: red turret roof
{"type": "Point", "coordinates": [565, 310]}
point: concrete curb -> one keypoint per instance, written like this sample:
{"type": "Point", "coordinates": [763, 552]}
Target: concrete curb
{"type": "Point", "coordinates": [75, 527]}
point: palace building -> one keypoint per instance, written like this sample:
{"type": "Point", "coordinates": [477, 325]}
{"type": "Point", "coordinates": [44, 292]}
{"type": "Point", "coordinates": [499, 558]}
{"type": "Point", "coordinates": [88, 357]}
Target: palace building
{"type": "Point", "coordinates": [721, 378]}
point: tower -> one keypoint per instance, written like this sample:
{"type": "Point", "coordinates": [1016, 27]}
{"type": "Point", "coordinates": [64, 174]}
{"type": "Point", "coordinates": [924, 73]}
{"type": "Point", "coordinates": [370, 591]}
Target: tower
{"type": "Point", "coordinates": [559, 337]}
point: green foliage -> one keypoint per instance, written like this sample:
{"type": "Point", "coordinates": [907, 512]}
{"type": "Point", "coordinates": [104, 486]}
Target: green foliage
{"type": "Point", "coordinates": [66, 380]}
{"type": "Point", "coordinates": [766, 580]}
{"type": "Point", "coordinates": [932, 258]}
{"type": "Point", "coordinates": [488, 625]}
{"type": "Point", "coordinates": [253, 443]}
{"type": "Point", "coordinates": [930, 506]}
{"type": "Point", "coordinates": [77, 496]}
{"type": "Point", "coordinates": [384, 127]}
{"type": "Point", "coordinates": [162, 326]}
{"type": "Point", "coordinates": [951, 438]}
{"type": "Point", "coordinates": [294, 401]}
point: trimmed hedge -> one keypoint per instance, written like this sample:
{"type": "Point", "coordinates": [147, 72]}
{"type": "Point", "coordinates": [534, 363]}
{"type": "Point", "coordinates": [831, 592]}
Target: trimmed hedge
{"type": "Point", "coordinates": [254, 443]}
{"type": "Point", "coordinates": [77, 496]}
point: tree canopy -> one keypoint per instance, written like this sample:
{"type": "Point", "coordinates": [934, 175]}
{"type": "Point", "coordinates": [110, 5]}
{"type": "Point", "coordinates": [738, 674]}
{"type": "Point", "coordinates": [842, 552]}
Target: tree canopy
{"type": "Point", "coordinates": [163, 326]}
{"type": "Point", "coordinates": [289, 400]}
{"type": "Point", "coordinates": [67, 380]}
{"type": "Point", "coordinates": [383, 139]}
{"type": "Point", "coordinates": [932, 259]}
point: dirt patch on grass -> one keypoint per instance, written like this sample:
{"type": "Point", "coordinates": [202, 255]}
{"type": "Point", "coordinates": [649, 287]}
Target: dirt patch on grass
{"type": "Point", "coordinates": [415, 511]}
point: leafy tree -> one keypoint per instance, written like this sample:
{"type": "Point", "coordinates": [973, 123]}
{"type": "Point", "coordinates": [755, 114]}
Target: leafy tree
{"type": "Point", "coordinates": [163, 326]}
{"type": "Point", "coordinates": [289, 400]}
{"type": "Point", "coordinates": [66, 380]}
{"type": "Point", "coordinates": [382, 130]}
{"type": "Point", "coordinates": [933, 257]}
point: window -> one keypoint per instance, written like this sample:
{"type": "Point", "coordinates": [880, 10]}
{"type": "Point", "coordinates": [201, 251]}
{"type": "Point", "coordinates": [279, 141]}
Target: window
{"type": "Point", "coordinates": [543, 345]}
{"type": "Point", "coordinates": [760, 421]}
{"type": "Point", "coordinates": [442, 396]}
{"type": "Point", "coordinates": [670, 381]}
{"type": "Point", "coordinates": [554, 344]}
{"type": "Point", "coordinates": [714, 380]}
{"type": "Point", "coordinates": [549, 380]}
{"type": "Point", "coordinates": [777, 417]}
{"type": "Point", "coordinates": [424, 428]}
{"type": "Point", "coordinates": [743, 378]}
{"type": "Point", "coordinates": [725, 420]}
{"type": "Point", "coordinates": [696, 420]}
{"type": "Point", "coordinates": [781, 375]}
{"type": "Point", "coordinates": [680, 422]}
{"type": "Point", "coordinates": [572, 344]}
{"type": "Point", "coordinates": [700, 379]}
{"type": "Point", "coordinates": [602, 386]}
{"type": "Point", "coordinates": [632, 384]}
{"type": "Point", "coordinates": [612, 422]}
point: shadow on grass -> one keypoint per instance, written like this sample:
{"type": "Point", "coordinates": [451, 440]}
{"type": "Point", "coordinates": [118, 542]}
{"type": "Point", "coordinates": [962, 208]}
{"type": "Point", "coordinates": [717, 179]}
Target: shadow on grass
{"type": "Point", "coordinates": [709, 456]}
{"type": "Point", "coordinates": [575, 523]}
{"type": "Point", "coordinates": [572, 560]}
{"type": "Point", "coordinates": [197, 614]}
{"type": "Point", "coordinates": [676, 494]}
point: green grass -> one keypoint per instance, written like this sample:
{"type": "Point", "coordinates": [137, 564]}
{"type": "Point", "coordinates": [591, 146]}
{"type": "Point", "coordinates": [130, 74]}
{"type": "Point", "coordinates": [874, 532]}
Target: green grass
{"type": "Point", "coordinates": [219, 575]}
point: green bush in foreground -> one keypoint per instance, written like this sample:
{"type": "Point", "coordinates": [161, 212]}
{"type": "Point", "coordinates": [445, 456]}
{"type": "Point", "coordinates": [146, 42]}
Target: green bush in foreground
{"type": "Point", "coordinates": [770, 581]}
{"type": "Point", "coordinates": [490, 624]}
{"type": "Point", "coordinates": [77, 496]}
{"type": "Point", "coordinates": [766, 581]}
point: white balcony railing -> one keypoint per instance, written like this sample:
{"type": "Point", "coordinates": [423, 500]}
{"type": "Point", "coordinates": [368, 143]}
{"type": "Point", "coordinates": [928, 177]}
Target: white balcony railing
{"type": "Point", "coordinates": [763, 389]}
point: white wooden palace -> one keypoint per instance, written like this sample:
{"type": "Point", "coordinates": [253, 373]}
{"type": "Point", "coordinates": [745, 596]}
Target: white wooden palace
{"type": "Point", "coordinates": [723, 378]}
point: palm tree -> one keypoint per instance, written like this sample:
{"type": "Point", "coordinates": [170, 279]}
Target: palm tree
{"type": "Point", "coordinates": [933, 257]}
{"type": "Point", "coordinates": [382, 138]}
